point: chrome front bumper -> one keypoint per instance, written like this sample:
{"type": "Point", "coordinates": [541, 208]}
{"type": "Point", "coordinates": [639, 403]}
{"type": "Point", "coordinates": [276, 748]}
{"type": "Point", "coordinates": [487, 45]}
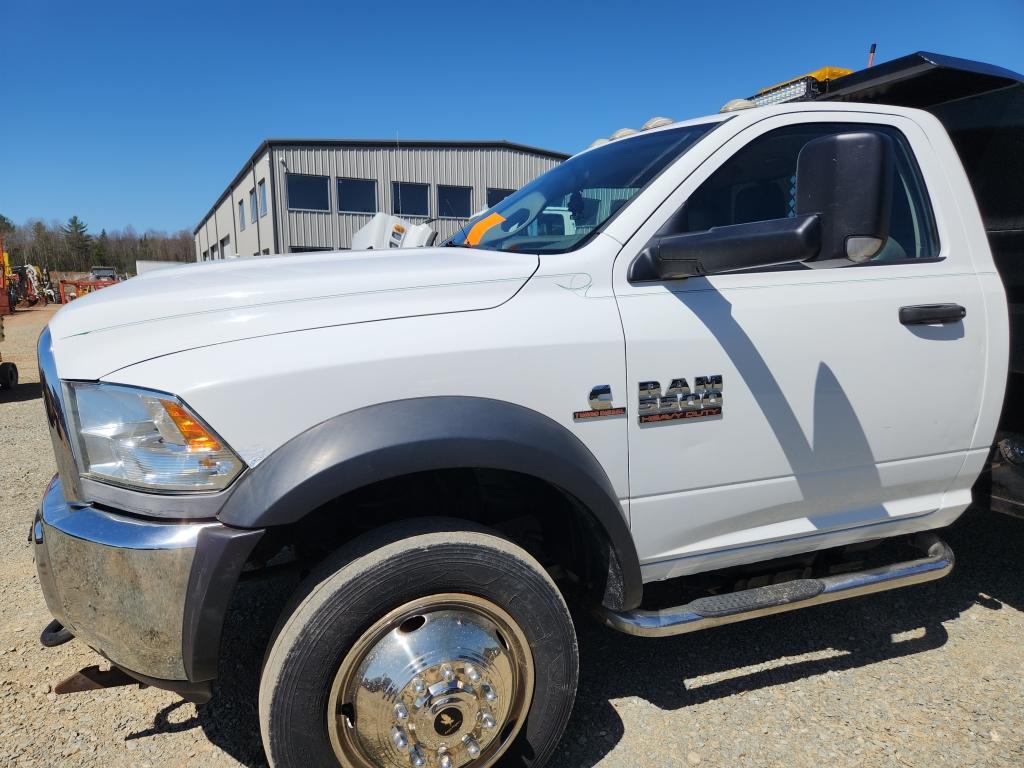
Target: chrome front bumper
{"type": "Point", "coordinates": [119, 583]}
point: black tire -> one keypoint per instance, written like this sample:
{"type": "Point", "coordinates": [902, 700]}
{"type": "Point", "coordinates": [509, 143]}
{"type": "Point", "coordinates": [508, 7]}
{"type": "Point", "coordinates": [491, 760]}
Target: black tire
{"type": "Point", "coordinates": [8, 375]}
{"type": "Point", "coordinates": [388, 568]}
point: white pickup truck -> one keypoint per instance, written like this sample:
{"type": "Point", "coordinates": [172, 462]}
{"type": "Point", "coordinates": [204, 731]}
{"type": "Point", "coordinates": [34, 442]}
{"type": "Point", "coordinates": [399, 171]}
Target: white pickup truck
{"type": "Point", "coordinates": [777, 336]}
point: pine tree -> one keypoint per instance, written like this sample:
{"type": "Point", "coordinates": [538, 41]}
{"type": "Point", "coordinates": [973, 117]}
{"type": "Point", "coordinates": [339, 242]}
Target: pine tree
{"type": "Point", "coordinates": [78, 240]}
{"type": "Point", "coordinates": [100, 250]}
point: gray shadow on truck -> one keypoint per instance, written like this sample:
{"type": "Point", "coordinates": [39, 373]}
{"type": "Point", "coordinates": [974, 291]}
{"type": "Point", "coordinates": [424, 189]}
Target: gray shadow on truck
{"type": "Point", "coordinates": [838, 441]}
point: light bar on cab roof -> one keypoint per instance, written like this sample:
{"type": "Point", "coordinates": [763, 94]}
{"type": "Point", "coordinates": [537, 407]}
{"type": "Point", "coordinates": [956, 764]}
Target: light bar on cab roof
{"type": "Point", "coordinates": [800, 88]}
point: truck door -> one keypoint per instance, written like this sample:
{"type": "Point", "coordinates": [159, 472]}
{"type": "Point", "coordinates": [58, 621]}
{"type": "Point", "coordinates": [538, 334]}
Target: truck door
{"type": "Point", "coordinates": [811, 416]}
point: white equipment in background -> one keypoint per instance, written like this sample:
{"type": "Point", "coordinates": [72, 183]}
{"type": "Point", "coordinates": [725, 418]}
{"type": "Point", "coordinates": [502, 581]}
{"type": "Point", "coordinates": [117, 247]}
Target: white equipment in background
{"type": "Point", "coordinates": [387, 231]}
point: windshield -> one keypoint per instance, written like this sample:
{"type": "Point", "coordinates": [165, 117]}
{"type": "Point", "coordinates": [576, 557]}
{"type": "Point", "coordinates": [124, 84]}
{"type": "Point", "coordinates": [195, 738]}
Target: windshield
{"type": "Point", "coordinates": [560, 210]}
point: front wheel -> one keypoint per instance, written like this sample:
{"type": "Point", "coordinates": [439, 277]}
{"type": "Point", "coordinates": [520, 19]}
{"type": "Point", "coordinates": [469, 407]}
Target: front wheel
{"type": "Point", "coordinates": [422, 644]}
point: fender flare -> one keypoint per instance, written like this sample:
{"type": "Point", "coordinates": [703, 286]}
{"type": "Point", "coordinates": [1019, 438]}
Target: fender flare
{"type": "Point", "coordinates": [391, 439]}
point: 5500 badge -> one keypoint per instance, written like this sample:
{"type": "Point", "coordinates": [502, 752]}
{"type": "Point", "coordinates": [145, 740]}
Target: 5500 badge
{"type": "Point", "coordinates": [679, 401]}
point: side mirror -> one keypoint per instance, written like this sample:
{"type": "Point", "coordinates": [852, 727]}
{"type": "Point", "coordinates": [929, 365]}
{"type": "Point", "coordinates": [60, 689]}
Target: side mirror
{"type": "Point", "coordinates": [843, 198]}
{"type": "Point", "coordinates": [727, 249]}
{"type": "Point", "coordinates": [846, 179]}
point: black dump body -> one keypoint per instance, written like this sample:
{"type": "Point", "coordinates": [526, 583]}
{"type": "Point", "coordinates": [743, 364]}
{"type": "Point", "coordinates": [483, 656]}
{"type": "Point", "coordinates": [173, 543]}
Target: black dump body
{"type": "Point", "coordinates": [982, 108]}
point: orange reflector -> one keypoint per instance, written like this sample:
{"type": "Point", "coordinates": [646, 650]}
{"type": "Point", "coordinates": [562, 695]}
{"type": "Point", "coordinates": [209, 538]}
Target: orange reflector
{"type": "Point", "coordinates": [478, 230]}
{"type": "Point", "coordinates": [196, 436]}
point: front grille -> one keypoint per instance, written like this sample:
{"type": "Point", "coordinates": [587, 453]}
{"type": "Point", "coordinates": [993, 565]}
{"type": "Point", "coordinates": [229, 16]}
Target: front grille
{"type": "Point", "coordinates": [56, 417]}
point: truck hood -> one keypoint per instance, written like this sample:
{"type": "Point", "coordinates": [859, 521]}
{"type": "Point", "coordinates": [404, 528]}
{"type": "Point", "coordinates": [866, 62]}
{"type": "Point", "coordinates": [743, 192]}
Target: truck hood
{"type": "Point", "coordinates": [197, 305]}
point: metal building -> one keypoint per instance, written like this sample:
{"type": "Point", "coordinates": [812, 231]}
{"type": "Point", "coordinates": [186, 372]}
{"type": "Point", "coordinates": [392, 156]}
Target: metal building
{"type": "Point", "coordinates": [297, 195]}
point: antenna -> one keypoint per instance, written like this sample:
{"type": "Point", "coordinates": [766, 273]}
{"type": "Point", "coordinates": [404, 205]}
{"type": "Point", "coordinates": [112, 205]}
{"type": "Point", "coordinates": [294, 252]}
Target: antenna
{"type": "Point", "coordinates": [871, 55]}
{"type": "Point", "coordinates": [395, 183]}
{"type": "Point", "coordinates": [398, 158]}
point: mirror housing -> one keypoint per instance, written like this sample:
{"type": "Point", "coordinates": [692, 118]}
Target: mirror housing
{"type": "Point", "coordinates": [843, 198]}
{"type": "Point", "coordinates": [846, 179]}
{"type": "Point", "coordinates": [727, 249]}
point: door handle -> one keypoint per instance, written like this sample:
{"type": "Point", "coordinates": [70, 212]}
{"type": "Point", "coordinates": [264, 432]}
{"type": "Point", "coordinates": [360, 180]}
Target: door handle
{"type": "Point", "coordinates": [928, 314]}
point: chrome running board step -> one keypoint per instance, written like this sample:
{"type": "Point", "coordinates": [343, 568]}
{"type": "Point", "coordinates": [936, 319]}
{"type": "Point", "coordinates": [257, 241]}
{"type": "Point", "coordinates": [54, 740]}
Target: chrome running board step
{"type": "Point", "coordinates": [788, 596]}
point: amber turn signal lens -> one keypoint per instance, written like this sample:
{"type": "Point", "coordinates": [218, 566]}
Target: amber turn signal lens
{"type": "Point", "coordinates": [196, 437]}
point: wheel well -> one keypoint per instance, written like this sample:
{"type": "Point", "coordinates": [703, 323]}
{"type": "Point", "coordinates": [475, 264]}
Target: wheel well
{"type": "Point", "coordinates": [548, 523]}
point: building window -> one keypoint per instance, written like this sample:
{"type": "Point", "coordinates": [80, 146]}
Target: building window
{"type": "Point", "coordinates": [241, 215]}
{"type": "Point", "coordinates": [454, 202]}
{"type": "Point", "coordinates": [308, 193]}
{"type": "Point", "coordinates": [225, 248]}
{"type": "Point", "coordinates": [263, 197]}
{"type": "Point", "coordinates": [495, 196]}
{"type": "Point", "coordinates": [357, 195]}
{"type": "Point", "coordinates": [252, 205]}
{"type": "Point", "coordinates": [409, 199]}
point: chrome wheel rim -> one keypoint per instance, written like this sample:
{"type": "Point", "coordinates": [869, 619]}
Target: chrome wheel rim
{"type": "Point", "coordinates": [441, 682]}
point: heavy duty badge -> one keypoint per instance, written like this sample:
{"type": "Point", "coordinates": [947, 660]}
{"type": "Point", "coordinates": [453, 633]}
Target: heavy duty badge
{"type": "Point", "coordinates": [678, 401]}
{"type": "Point", "coordinates": [601, 405]}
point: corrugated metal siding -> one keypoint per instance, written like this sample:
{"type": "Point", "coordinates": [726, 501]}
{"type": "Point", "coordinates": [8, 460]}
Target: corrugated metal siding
{"type": "Point", "coordinates": [470, 167]}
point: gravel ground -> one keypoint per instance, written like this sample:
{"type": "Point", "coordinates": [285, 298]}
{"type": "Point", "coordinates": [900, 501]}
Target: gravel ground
{"type": "Point", "coordinates": [928, 676]}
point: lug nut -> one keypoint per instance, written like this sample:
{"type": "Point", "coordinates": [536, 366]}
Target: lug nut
{"type": "Point", "coordinates": [447, 672]}
{"type": "Point", "coordinates": [487, 720]}
{"type": "Point", "coordinates": [418, 686]}
{"type": "Point", "coordinates": [398, 738]}
{"type": "Point", "coordinates": [471, 746]}
{"type": "Point", "coordinates": [444, 760]}
{"type": "Point", "coordinates": [489, 693]}
{"type": "Point", "coordinates": [472, 674]}
{"type": "Point", "coordinates": [401, 713]}
{"type": "Point", "coordinates": [416, 758]}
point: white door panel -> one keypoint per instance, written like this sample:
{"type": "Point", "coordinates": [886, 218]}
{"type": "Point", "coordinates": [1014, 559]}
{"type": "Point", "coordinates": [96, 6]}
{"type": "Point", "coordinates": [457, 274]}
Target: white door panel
{"type": "Point", "coordinates": [765, 511]}
{"type": "Point", "coordinates": [818, 367]}
{"type": "Point", "coordinates": [835, 416]}
{"type": "Point", "coordinates": [821, 385]}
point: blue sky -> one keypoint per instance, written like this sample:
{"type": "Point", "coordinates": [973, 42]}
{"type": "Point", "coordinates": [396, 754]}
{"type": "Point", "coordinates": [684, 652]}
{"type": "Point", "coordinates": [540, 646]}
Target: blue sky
{"type": "Point", "coordinates": [139, 113]}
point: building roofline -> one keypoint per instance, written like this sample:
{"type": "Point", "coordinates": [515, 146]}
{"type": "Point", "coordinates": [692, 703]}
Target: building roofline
{"type": "Point", "coordinates": [269, 144]}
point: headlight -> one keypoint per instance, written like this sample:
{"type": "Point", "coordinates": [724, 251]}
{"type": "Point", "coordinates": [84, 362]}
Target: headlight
{"type": "Point", "coordinates": [146, 440]}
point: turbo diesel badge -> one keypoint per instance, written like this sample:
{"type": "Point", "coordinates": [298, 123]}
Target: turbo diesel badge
{"type": "Point", "coordinates": [601, 405]}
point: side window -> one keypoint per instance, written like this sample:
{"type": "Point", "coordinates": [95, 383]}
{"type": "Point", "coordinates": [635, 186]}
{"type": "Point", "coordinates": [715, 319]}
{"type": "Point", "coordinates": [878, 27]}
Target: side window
{"type": "Point", "coordinates": [409, 198]}
{"type": "Point", "coordinates": [495, 196]}
{"type": "Point", "coordinates": [759, 183]}
{"type": "Point", "coordinates": [454, 201]}
{"type": "Point", "coordinates": [305, 193]}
